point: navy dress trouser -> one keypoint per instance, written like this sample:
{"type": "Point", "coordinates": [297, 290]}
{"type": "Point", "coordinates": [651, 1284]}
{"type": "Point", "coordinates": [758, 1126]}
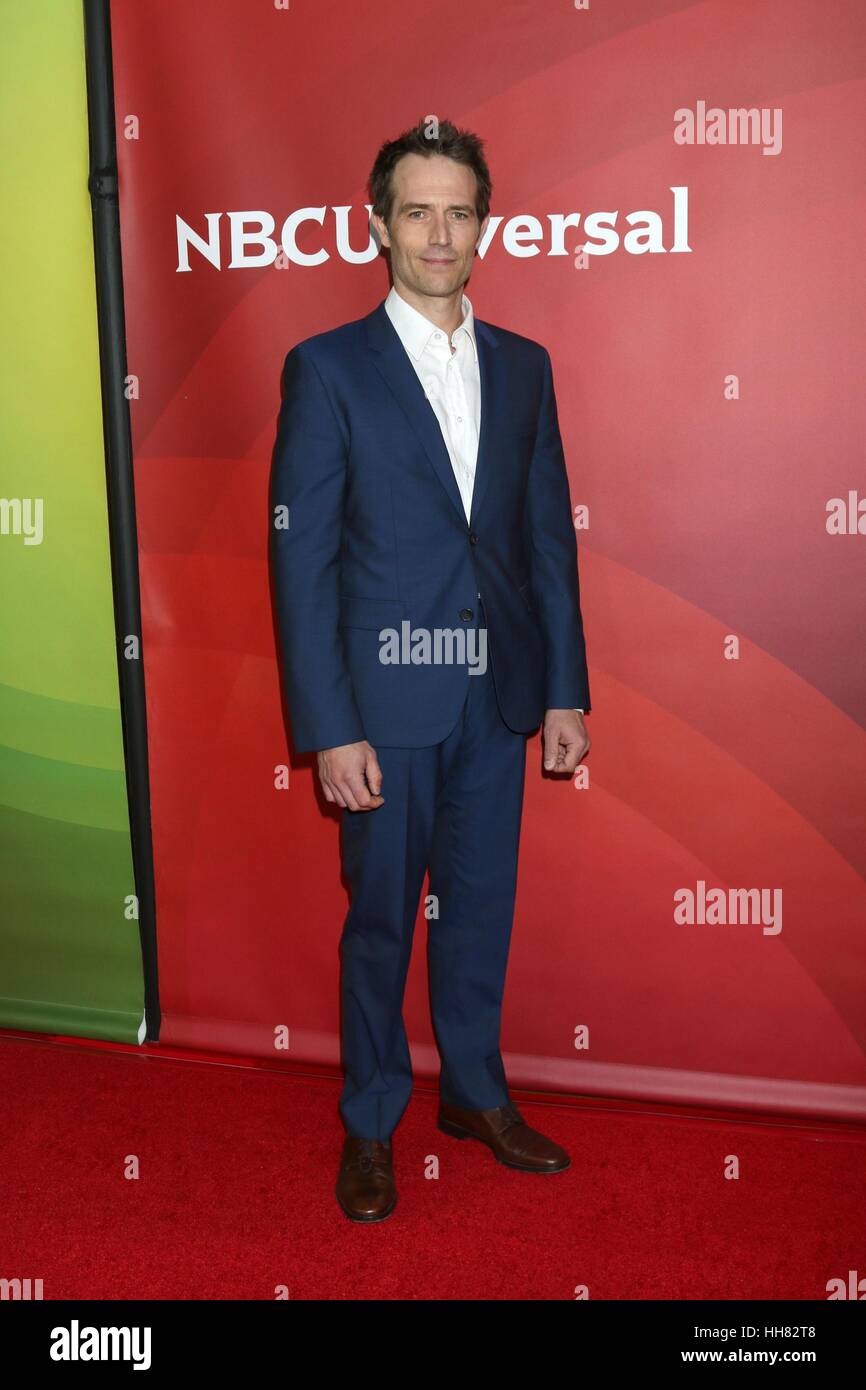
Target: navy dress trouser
{"type": "Point", "coordinates": [454, 806]}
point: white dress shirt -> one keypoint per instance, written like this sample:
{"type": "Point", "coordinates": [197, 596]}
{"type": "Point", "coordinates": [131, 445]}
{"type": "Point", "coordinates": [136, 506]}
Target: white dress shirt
{"type": "Point", "coordinates": [450, 376]}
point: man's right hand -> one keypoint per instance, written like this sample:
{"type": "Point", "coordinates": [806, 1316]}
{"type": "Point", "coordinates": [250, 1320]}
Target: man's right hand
{"type": "Point", "coordinates": [350, 775]}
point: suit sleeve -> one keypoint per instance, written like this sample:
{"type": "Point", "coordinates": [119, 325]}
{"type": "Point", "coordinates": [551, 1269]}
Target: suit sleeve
{"type": "Point", "coordinates": [553, 559]}
{"type": "Point", "coordinates": [306, 500]}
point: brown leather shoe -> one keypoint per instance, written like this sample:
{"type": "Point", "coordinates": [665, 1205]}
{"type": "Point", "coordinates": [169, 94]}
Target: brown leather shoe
{"type": "Point", "coordinates": [505, 1131]}
{"type": "Point", "coordinates": [366, 1189]}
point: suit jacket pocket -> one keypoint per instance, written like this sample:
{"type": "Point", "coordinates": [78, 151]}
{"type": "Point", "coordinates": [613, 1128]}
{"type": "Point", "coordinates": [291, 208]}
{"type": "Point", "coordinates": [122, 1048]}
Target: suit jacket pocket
{"type": "Point", "coordinates": [374, 613]}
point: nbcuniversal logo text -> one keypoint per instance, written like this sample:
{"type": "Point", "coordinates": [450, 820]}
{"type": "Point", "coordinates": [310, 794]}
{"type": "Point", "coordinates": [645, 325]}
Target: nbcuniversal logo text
{"type": "Point", "coordinates": [250, 241]}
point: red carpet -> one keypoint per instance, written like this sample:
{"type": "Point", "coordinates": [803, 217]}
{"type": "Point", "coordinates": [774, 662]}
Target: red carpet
{"type": "Point", "coordinates": [235, 1194]}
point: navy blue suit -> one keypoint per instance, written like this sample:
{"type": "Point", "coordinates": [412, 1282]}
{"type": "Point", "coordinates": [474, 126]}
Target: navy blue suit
{"type": "Point", "coordinates": [377, 536]}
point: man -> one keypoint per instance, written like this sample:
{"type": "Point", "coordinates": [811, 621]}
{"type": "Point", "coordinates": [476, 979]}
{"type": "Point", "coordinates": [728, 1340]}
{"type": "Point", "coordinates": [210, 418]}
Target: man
{"type": "Point", "coordinates": [429, 617]}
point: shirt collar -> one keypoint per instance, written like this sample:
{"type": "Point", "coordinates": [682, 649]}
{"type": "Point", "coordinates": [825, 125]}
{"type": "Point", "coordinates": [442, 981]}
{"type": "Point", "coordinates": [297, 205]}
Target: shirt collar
{"type": "Point", "coordinates": [416, 331]}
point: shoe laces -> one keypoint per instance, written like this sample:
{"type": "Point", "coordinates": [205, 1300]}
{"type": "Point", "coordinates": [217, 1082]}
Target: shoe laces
{"type": "Point", "coordinates": [368, 1157]}
{"type": "Point", "coordinates": [511, 1115]}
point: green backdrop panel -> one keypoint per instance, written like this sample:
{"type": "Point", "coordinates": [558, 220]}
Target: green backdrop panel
{"type": "Point", "coordinates": [70, 959]}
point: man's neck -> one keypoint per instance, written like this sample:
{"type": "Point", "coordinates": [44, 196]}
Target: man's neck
{"type": "Point", "coordinates": [446, 311]}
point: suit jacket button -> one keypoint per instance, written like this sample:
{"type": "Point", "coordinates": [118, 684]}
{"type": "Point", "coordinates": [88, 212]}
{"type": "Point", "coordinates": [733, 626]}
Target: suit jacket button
{"type": "Point", "coordinates": [466, 614]}
{"type": "Point", "coordinates": [473, 539]}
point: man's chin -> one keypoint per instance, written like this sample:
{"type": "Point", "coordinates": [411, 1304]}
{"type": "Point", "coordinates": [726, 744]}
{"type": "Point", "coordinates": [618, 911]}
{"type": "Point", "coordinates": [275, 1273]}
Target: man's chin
{"type": "Point", "coordinates": [439, 284]}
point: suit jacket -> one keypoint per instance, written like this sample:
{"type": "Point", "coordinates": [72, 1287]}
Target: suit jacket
{"type": "Point", "coordinates": [377, 536]}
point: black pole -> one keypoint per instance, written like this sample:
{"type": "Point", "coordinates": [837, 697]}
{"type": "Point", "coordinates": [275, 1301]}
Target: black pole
{"type": "Point", "coordinates": [122, 526]}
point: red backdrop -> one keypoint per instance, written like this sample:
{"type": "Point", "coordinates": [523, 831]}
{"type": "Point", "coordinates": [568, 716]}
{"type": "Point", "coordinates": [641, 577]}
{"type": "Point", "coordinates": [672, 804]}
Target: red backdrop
{"type": "Point", "coordinates": [712, 406]}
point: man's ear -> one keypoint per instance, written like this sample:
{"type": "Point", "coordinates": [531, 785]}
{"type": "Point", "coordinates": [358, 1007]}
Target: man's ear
{"type": "Point", "coordinates": [483, 230]}
{"type": "Point", "coordinates": [381, 229]}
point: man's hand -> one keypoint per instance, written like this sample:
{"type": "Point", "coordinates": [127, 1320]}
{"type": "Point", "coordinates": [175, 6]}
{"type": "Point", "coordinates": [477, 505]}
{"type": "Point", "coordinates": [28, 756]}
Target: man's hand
{"type": "Point", "coordinates": [565, 740]}
{"type": "Point", "coordinates": [350, 775]}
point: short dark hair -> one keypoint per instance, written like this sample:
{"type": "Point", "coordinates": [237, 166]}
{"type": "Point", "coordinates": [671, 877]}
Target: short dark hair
{"type": "Point", "coordinates": [430, 136]}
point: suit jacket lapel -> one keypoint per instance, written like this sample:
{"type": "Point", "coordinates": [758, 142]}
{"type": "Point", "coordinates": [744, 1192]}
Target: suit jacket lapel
{"type": "Point", "coordinates": [493, 411]}
{"type": "Point", "coordinates": [394, 365]}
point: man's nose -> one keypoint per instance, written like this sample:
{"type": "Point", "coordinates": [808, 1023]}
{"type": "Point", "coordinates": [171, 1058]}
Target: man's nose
{"type": "Point", "coordinates": [440, 232]}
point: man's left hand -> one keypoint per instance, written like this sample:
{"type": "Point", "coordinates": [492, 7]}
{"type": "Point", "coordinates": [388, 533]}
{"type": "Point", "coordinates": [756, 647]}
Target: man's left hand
{"type": "Point", "coordinates": [565, 740]}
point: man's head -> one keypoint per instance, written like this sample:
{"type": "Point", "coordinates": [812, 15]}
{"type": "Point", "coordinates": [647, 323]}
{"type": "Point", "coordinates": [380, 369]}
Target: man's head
{"type": "Point", "coordinates": [430, 191]}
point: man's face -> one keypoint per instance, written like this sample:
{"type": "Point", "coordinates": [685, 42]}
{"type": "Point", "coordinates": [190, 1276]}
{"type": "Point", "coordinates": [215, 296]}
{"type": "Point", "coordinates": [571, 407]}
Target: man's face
{"type": "Point", "coordinates": [434, 227]}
